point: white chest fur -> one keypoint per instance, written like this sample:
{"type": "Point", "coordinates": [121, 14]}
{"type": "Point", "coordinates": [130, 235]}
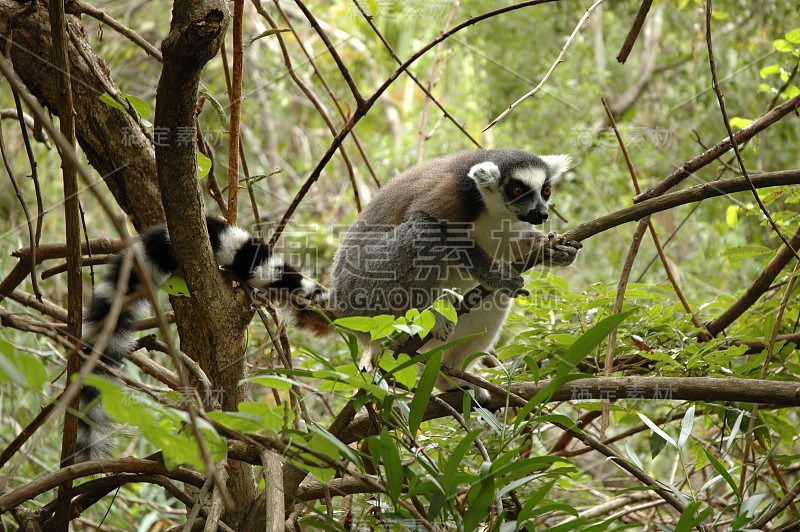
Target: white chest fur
{"type": "Point", "coordinates": [500, 236]}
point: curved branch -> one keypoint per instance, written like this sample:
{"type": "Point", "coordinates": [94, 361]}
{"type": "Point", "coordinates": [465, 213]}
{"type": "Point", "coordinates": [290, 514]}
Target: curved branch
{"type": "Point", "coordinates": [95, 467]}
{"type": "Point", "coordinates": [682, 197]}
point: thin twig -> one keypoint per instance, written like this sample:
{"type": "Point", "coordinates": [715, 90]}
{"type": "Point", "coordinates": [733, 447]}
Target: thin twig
{"type": "Point", "coordinates": [559, 60]}
{"type": "Point", "coordinates": [721, 100]}
{"type": "Point", "coordinates": [618, 301]}
{"type": "Point", "coordinates": [760, 285]}
{"type": "Point", "coordinates": [361, 110]}
{"type": "Point", "coordinates": [63, 146]}
{"type": "Point", "coordinates": [80, 7]}
{"type": "Point", "coordinates": [287, 60]}
{"type": "Point", "coordinates": [667, 268]}
{"type": "Point", "coordinates": [334, 54]}
{"type": "Point", "coordinates": [38, 135]}
{"type": "Point", "coordinates": [764, 372]}
{"type": "Point", "coordinates": [416, 80]}
{"type": "Point", "coordinates": [236, 113]}
{"type": "Point", "coordinates": [638, 22]}
{"type": "Point", "coordinates": [334, 98]}
{"type": "Point", "coordinates": [24, 204]}
{"type": "Point", "coordinates": [712, 154]}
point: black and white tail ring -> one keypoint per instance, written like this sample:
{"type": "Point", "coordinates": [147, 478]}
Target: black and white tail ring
{"type": "Point", "coordinates": [248, 258]}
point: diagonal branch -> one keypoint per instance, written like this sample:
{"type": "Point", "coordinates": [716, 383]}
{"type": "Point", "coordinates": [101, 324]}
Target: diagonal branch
{"type": "Point", "coordinates": [362, 110]}
{"type": "Point", "coordinates": [559, 60]}
{"type": "Point", "coordinates": [638, 22]}
{"type": "Point", "coordinates": [726, 121]}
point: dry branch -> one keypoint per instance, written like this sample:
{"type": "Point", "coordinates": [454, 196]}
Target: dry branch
{"type": "Point", "coordinates": [95, 467]}
{"type": "Point", "coordinates": [755, 290]}
{"type": "Point", "coordinates": [638, 22]}
{"type": "Point", "coordinates": [693, 165]}
{"type": "Point", "coordinates": [659, 388]}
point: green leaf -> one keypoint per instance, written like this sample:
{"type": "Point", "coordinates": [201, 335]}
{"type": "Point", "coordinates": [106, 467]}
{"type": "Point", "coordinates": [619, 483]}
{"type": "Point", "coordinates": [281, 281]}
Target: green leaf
{"type": "Point", "coordinates": [426, 320]}
{"type": "Point", "coordinates": [276, 382]}
{"type": "Point", "coordinates": [771, 69]}
{"type": "Point", "coordinates": [392, 465]}
{"type": "Point", "coordinates": [142, 107]}
{"type": "Point", "coordinates": [686, 427]}
{"type": "Point", "coordinates": [586, 343]}
{"type": "Point", "coordinates": [162, 426]}
{"type": "Point", "coordinates": [742, 252]}
{"type": "Point", "coordinates": [716, 464]}
{"type": "Point", "coordinates": [481, 497]}
{"type": "Point", "coordinates": [320, 444]}
{"type": "Point", "coordinates": [741, 123]}
{"type": "Point", "coordinates": [8, 370]}
{"type": "Point", "coordinates": [404, 373]}
{"type": "Point", "coordinates": [32, 367]}
{"type": "Point", "coordinates": [272, 417]}
{"type": "Point", "coordinates": [783, 46]}
{"type": "Point", "coordinates": [246, 423]}
{"type": "Point", "coordinates": [381, 326]}
{"type": "Point", "coordinates": [732, 215]}
{"type": "Point", "coordinates": [267, 33]}
{"type": "Point", "coordinates": [423, 394]}
{"type": "Point", "coordinates": [107, 99]}
{"type": "Point", "coordinates": [203, 165]}
{"type": "Point", "coordinates": [176, 286]}
{"type": "Point", "coordinates": [790, 92]}
{"type": "Point", "coordinates": [446, 309]}
{"type": "Point", "coordinates": [690, 519]}
{"type": "Point", "coordinates": [664, 436]}
{"type": "Point", "coordinates": [794, 36]}
{"type": "Point", "coordinates": [633, 456]}
{"type": "Point", "coordinates": [454, 462]}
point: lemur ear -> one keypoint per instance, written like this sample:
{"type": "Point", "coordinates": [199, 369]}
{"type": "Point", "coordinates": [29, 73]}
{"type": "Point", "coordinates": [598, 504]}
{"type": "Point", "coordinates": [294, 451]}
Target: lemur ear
{"type": "Point", "coordinates": [485, 174]}
{"type": "Point", "coordinates": [558, 165]}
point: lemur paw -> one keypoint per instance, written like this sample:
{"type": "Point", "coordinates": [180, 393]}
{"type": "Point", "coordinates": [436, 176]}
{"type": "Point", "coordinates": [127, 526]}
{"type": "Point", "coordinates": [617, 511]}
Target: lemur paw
{"type": "Point", "coordinates": [399, 342]}
{"type": "Point", "coordinates": [508, 279]}
{"type": "Point", "coordinates": [443, 328]}
{"type": "Point", "coordinates": [562, 254]}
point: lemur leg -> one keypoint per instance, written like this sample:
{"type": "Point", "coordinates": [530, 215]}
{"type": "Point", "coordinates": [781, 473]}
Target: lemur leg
{"type": "Point", "coordinates": [491, 273]}
{"type": "Point", "coordinates": [489, 319]}
{"type": "Point", "coordinates": [370, 355]}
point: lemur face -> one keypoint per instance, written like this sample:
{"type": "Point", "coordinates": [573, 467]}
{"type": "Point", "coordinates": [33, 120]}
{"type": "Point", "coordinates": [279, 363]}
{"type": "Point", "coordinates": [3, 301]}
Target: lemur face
{"type": "Point", "coordinates": [520, 190]}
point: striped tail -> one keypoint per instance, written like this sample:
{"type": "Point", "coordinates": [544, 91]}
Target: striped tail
{"type": "Point", "coordinates": [248, 258]}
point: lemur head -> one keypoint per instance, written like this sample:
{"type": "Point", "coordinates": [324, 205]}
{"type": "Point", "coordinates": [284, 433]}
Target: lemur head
{"type": "Point", "coordinates": [518, 184]}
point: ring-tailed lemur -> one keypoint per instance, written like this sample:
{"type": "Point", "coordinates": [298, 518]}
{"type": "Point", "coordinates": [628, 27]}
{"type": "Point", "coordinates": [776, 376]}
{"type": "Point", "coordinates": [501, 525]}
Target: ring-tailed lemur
{"type": "Point", "coordinates": [453, 222]}
{"type": "Point", "coordinates": [246, 257]}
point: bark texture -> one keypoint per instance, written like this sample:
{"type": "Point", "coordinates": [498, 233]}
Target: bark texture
{"type": "Point", "coordinates": [113, 142]}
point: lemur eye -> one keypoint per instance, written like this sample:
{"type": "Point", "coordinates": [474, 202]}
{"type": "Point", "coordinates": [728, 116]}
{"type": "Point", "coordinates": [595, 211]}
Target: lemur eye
{"type": "Point", "coordinates": [517, 191]}
{"type": "Point", "coordinates": [546, 191]}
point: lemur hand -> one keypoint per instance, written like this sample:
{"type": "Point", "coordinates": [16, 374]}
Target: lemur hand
{"type": "Point", "coordinates": [562, 254]}
{"type": "Point", "coordinates": [508, 279]}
